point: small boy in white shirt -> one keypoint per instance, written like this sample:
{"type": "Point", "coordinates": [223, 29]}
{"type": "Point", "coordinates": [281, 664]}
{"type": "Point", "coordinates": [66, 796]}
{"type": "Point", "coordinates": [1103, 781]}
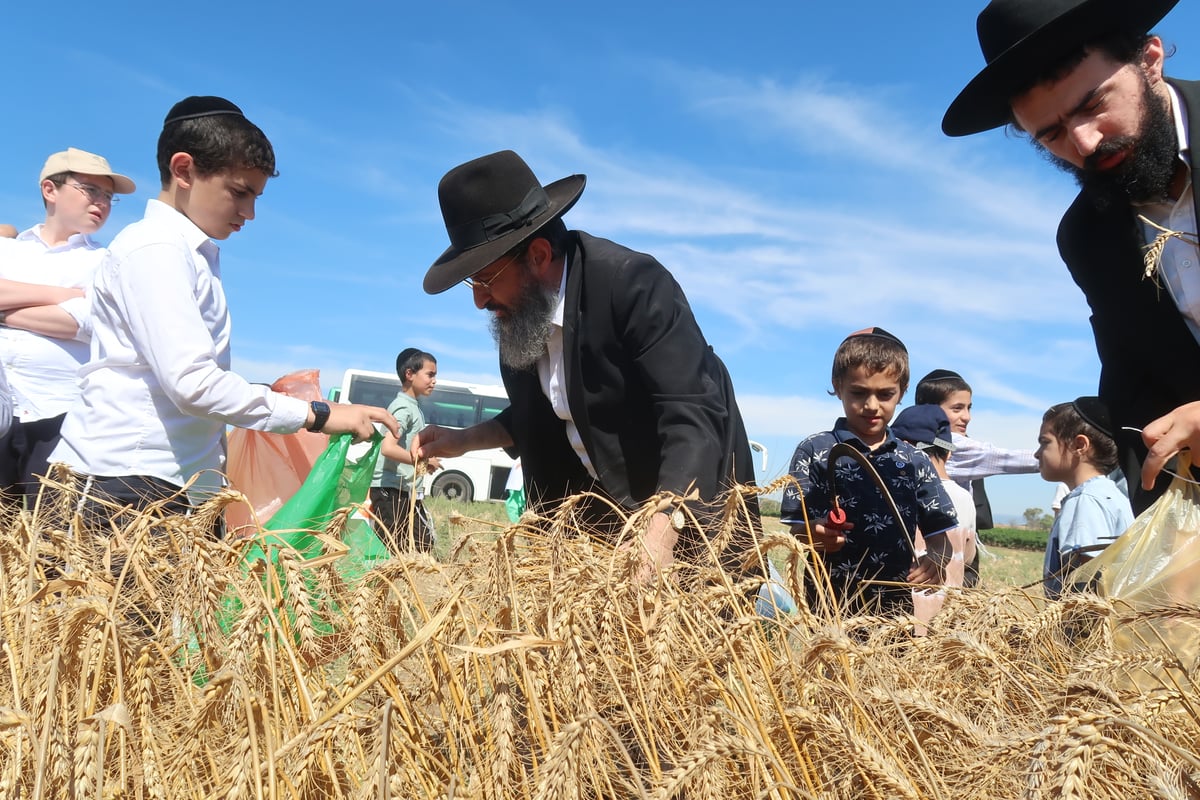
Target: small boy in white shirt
{"type": "Point", "coordinates": [158, 391]}
{"type": "Point", "coordinates": [927, 428]}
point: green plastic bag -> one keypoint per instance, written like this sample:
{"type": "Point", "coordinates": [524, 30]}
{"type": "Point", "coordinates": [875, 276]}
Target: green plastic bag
{"type": "Point", "coordinates": [334, 483]}
{"type": "Point", "coordinates": [514, 504]}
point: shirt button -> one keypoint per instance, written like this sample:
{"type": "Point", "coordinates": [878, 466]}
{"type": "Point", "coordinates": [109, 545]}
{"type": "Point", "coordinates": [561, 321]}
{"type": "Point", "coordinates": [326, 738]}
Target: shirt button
{"type": "Point", "coordinates": [1187, 262]}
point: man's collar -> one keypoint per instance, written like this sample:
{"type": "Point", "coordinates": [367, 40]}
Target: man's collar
{"type": "Point", "coordinates": [562, 293]}
{"type": "Point", "coordinates": [1181, 125]}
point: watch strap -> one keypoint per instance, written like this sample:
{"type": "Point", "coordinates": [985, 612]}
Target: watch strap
{"type": "Point", "coordinates": [320, 411]}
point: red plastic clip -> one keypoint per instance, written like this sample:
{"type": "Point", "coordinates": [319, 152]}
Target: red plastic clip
{"type": "Point", "coordinates": [837, 517]}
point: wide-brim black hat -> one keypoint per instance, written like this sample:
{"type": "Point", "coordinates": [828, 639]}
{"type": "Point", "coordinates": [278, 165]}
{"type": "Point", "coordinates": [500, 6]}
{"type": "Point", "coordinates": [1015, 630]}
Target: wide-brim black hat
{"type": "Point", "coordinates": [1021, 39]}
{"type": "Point", "coordinates": [490, 206]}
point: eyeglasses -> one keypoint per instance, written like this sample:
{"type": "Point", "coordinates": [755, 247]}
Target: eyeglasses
{"type": "Point", "coordinates": [476, 283]}
{"type": "Point", "coordinates": [95, 194]}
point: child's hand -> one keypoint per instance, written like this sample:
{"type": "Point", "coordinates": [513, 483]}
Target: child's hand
{"type": "Point", "coordinates": [826, 537]}
{"type": "Point", "coordinates": [926, 571]}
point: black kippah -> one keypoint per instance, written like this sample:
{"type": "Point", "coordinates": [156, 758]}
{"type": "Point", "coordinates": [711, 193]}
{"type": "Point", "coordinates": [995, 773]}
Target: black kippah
{"type": "Point", "coordinates": [405, 356]}
{"type": "Point", "coordinates": [1095, 413]}
{"type": "Point", "coordinates": [879, 333]}
{"type": "Point", "coordinates": [941, 375]}
{"type": "Point", "coordinates": [200, 106]}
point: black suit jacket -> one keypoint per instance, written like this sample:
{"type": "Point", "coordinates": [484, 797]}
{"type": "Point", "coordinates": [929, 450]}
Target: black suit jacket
{"type": "Point", "coordinates": [653, 404]}
{"type": "Point", "coordinates": [1150, 362]}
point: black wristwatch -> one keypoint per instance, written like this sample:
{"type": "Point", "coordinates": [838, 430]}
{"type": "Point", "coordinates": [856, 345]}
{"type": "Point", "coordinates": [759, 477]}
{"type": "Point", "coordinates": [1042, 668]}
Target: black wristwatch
{"type": "Point", "coordinates": [320, 411]}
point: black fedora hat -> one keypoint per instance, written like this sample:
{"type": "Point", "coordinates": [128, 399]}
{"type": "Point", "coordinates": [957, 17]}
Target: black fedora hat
{"type": "Point", "coordinates": [1020, 39]}
{"type": "Point", "coordinates": [491, 205]}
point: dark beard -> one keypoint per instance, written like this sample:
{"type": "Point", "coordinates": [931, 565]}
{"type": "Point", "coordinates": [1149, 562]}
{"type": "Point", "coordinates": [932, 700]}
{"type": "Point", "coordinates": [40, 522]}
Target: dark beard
{"type": "Point", "coordinates": [522, 335]}
{"type": "Point", "coordinates": [1146, 174]}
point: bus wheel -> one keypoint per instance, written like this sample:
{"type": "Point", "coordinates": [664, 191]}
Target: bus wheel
{"type": "Point", "coordinates": [453, 486]}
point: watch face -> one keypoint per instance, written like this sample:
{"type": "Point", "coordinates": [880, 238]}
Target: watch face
{"type": "Point", "coordinates": [320, 411]}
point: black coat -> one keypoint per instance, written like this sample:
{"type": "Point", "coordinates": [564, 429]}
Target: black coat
{"type": "Point", "coordinates": [653, 404]}
{"type": "Point", "coordinates": [1150, 361]}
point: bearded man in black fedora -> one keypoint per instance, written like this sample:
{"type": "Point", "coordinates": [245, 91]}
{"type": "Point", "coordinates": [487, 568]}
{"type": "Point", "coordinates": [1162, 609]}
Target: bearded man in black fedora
{"type": "Point", "coordinates": [612, 386]}
{"type": "Point", "coordinates": [1083, 79]}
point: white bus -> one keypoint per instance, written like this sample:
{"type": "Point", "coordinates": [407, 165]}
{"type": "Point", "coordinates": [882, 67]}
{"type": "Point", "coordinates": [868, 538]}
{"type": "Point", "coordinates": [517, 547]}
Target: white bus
{"type": "Point", "coordinates": [479, 475]}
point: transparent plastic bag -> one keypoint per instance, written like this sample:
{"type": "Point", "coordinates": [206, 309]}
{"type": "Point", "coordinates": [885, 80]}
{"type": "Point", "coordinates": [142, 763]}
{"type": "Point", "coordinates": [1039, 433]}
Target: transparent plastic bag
{"type": "Point", "coordinates": [1151, 573]}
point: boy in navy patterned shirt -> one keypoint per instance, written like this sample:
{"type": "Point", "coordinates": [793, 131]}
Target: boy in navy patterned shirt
{"type": "Point", "coordinates": [870, 376]}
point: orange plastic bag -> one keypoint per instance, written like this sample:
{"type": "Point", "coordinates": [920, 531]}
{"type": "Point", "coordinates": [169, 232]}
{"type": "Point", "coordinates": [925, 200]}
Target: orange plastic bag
{"type": "Point", "coordinates": [270, 467]}
{"type": "Point", "coordinates": [1151, 573]}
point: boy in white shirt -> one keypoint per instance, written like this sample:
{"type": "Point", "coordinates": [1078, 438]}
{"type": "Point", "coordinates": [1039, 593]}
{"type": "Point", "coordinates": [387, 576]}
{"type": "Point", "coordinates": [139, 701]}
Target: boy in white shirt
{"type": "Point", "coordinates": [44, 319]}
{"type": "Point", "coordinates": [158, 392]}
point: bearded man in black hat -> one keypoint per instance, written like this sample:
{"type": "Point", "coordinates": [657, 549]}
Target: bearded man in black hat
{"type": "Point", "coordinates": [613, 388]}
{"type": "Point", "coordinates": [1084, 80]}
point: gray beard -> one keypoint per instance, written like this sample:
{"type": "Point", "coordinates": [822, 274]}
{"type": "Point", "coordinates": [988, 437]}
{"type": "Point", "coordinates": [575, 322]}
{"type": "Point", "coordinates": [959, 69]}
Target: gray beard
{"type": "Point", "coordinates": [523, 334]}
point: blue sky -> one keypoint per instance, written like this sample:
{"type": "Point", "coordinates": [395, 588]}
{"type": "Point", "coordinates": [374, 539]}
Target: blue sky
{"type": "Point", "coordinates": [783, 159]}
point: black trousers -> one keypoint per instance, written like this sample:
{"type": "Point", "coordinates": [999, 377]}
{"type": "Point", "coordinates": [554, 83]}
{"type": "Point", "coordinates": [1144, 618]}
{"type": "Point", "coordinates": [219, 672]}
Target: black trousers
{"type": "Point", "coordinates": [24, 455]}
{"type": "Point", "coordinates": [105, 502]}
{"type": "Point", "coordinates": [391, 508]}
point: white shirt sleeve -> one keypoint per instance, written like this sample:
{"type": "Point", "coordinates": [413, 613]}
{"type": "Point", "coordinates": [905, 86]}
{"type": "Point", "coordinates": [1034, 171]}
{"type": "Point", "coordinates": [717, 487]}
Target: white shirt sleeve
{"type": "Point", "coordinates": [80, 309]}
{"type": "Point", "coordinates": [974, 459]}
{"type": "Point", "coordinates": [156, 287]}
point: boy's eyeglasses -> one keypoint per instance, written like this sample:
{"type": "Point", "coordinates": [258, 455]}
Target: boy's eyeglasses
{"type": "Point", "coordinates": [95, 194]}
{"type": "Point", "coordinates": [476, 283]}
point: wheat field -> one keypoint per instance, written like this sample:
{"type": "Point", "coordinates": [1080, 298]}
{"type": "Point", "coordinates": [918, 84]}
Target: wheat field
{"type": "Point", "coordinates": [530, 663]}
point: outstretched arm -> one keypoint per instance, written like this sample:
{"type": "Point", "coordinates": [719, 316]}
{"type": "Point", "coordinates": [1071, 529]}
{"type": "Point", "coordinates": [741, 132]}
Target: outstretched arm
{"type": "Point", "coordinates": [355, 419]}
{"type": "Point", "coordinates": [435, 441]}
{"type": "Point", "coordinates": [391, 448]}
{"type": "Point", "coordinates": [973, 459]}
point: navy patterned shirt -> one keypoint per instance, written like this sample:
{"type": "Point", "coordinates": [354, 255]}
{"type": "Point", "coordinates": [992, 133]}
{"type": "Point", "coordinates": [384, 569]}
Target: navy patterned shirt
{"type": "Point", "coordinates": [877, 547]}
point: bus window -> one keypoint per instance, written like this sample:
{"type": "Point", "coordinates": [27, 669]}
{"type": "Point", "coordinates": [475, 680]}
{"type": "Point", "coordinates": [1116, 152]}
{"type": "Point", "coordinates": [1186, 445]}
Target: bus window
{"type": "Point", "coordinates": [372, 391]}
{"type": "Point", "coordinates": [451, 409]}
{"type": "Point", "coordinates": [491, 407]}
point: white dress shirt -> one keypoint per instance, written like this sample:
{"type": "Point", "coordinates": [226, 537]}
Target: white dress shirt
{"type": "Point", "coordinates": [1179, 267]}
{"type": "Point", "coordinates": [157, 393]}
{"type": "Point", "coordinates": [42, 371]}
{"type": "Point", "coordinates": [552, 373]}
